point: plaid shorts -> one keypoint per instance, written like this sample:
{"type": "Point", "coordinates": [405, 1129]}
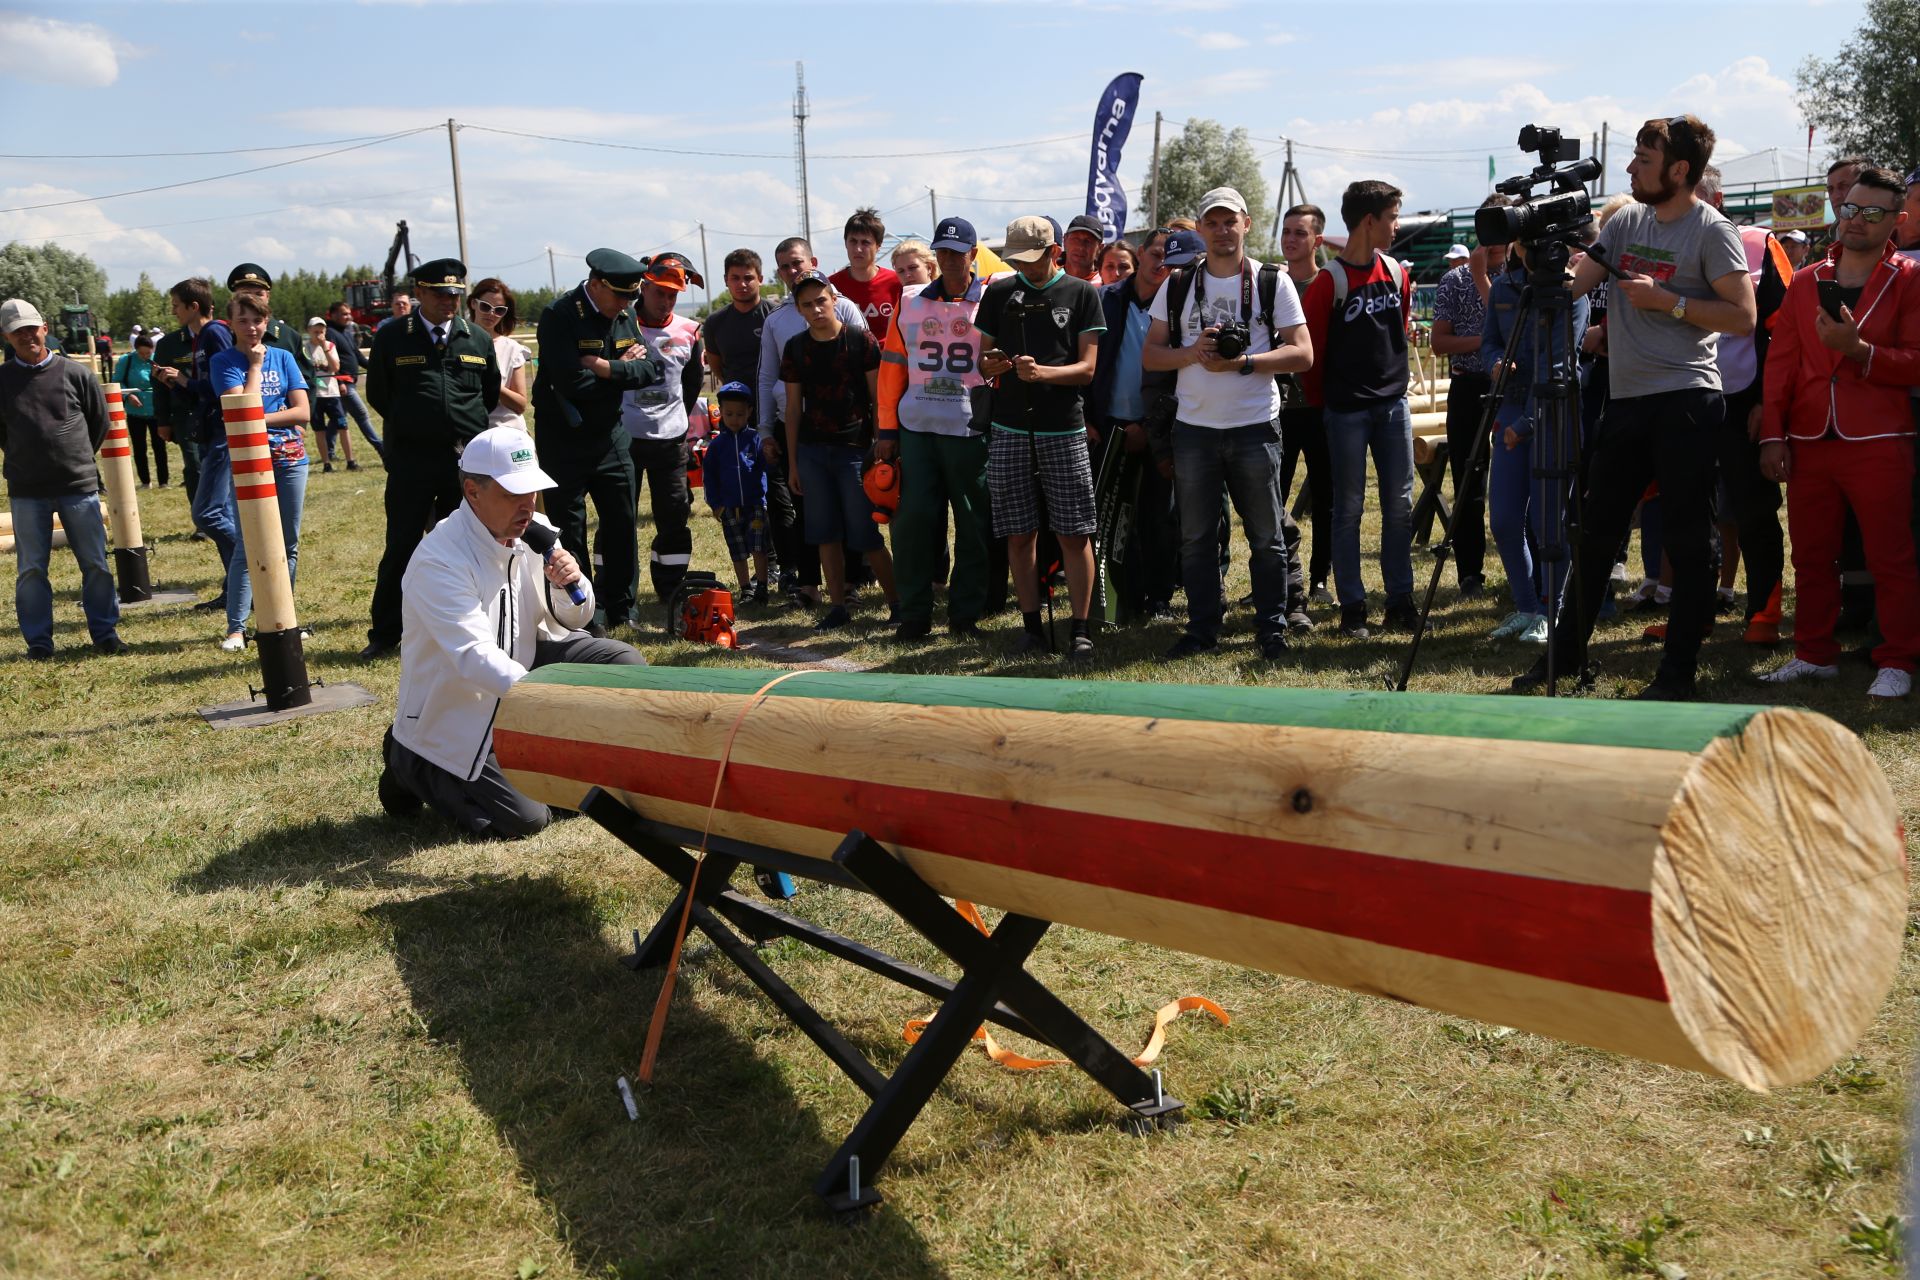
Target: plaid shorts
{"type": "Point", "coordinates": [1065, 475]}
{"type": "Point", "coordinates": [746, 530]}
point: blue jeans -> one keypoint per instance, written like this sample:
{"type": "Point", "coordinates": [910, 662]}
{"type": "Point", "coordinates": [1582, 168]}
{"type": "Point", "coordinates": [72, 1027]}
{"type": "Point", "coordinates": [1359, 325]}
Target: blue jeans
{"type": "Point", "coordinates": [33, 545]}
{"type": "Point", "coordinates": [1385, 431]}
{"type": "Point", "coordinates": [837, 507]}
{"type": "Point", "coordinates": [351, 402]}
{"type": "Point", "coordinates": [1510, 510]}
{"type": "Point", "coordinates": [290, 489]}
{"type": "Point", "coordinates": [212, 508]}
{"type": "Point", "coordinates": [1209, 465]}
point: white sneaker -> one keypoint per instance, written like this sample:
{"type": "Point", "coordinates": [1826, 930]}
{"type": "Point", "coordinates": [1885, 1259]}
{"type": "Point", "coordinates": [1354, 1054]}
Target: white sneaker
{"type": "Point", "coordinates": [1619, 573]}
{"type": "Point", "coordinates": [1535, 632]}
{"type": "Point", "coordinates": [1892, 682]}
{"type": "Point", "coordinates": [1512, 625]}
{"type": "Point", "coordinates": [1796, 669]}
{"type": "Point", "coordinates": [234, 643]}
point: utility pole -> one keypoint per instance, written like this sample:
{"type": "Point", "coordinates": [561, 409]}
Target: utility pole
{"type": "Point", "coordinates": [1603, 159]}
{"type": "Point", "coordinates": [800, 147]}
{"type": "Point", "coordinates": [1289, 182]}
{"type": "Point", "coordinates": [459, 200]}
{"type": "Point", "coordinates": [1153, 202]}
{"type": "Point", "coordinates": [553, 277]}
{"type": "Point", "coordinates": [706, 268]}
{"type": "Point", "coordinates": [933, 211]}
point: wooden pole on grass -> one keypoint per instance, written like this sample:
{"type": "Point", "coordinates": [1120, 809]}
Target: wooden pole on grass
{"type": "Point", "coordinates": [283, 663]}
{"type": "Point", "coordinates": [1717, 888]}
{"type": "Point", "coordinates": [123, 502]}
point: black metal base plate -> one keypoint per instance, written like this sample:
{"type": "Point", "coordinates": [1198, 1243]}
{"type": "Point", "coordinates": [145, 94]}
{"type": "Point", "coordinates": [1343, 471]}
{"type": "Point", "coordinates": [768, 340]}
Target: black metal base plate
{"type": "Point", "coordinates": [255, 714]}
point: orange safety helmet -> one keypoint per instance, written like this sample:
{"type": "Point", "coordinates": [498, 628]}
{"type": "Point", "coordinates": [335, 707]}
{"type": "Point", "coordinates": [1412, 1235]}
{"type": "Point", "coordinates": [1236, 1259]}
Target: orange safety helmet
{"type": "Point", "coordinates": [882, 484]}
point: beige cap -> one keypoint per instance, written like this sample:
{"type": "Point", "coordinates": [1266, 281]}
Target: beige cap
{"type": "Point", "coordinates": [1222, 198]}
{"type": "Point", "coordinates": [18, 313]}
{"type": "Point", "coordinates": [1028, 240]}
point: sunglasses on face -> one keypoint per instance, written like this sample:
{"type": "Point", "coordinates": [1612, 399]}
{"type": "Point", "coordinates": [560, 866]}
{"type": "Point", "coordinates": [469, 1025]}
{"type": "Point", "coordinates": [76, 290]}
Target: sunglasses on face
{"type": "Point", "coordinates": [489, 308]}
{"type": "Point", "coordinates": [1871, 214]}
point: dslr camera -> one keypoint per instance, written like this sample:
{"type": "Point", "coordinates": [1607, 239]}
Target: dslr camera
{"type": "Point", "coordinates": [1557, 215]}
{"type": "Point", "coordinates": [1232, 338]}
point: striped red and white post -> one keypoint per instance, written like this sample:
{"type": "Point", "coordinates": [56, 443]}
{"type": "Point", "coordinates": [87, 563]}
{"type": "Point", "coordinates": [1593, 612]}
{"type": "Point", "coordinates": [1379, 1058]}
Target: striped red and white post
{"type": "Point", "coordinates": [123, 502]}
{"type": "Point", "coordinates": [283, 663]}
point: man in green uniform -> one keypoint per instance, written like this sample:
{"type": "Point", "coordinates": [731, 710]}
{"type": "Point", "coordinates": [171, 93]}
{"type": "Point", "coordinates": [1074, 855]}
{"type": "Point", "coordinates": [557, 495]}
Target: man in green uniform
{"type": "Point", "coordinates": [433, 381]}
{"type": "Point", "coordinates": [175, 413]}
{"type": "Point", "coordinates": [591, 355]}
{"type": "Point", "coordinates": [253, 276]}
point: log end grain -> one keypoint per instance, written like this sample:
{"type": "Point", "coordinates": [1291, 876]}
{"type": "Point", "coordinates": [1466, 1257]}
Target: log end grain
{"type": "Point", "coordinates": [1780, 898]}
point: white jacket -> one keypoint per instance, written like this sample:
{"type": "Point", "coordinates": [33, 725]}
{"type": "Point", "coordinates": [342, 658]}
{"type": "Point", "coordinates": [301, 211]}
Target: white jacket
{"type": "Point", "coordinates": [472, 611]}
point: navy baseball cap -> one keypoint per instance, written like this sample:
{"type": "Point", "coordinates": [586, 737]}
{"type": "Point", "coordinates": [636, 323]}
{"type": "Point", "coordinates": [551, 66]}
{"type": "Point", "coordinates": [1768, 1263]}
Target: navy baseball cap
{"type": "Point", "coordinates": [816, 276]}
{"type": "Point", "coordinates": [1183, 247]}
{"type": "Point", "coordinates": [734, 391]}
{"type": "Point", "coordinates": [956, 234]}
{"type": "Point", "coordinates": [1059, 236]}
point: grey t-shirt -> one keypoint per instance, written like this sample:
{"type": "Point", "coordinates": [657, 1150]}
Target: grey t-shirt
{"type": "Point", "coordinates": [1649, 351]}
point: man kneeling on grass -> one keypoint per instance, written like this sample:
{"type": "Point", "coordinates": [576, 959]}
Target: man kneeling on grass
{"type": "Point", "coordinates": [481, 610]}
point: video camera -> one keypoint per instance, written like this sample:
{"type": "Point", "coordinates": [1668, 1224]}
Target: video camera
{"type": "Point", "coordinates": [1545, 219]}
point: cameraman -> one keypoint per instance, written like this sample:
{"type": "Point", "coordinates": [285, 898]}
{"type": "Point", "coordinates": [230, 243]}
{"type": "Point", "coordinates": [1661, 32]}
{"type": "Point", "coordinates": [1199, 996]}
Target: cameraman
{"type": "Point", "coordinates": [1227, 428]}
{"type": "Point", "coordinates": [1684, 283]}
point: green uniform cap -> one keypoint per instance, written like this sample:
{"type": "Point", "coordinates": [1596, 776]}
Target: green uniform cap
{"type": "Point", "coordinates": [441, 273]}
{"type": "Point", "coordinates": [249, 274]}
{"type": "Point", "coordinates": [621, 271]}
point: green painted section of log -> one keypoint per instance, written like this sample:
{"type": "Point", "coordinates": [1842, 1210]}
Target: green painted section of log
{"type": "Point", "coordinates": [1589, 722]}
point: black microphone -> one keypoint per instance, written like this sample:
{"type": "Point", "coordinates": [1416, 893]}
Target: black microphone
{"type": "Point", "coordinates": [543, 540]}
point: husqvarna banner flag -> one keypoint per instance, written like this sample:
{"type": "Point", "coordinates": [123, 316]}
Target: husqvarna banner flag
{"type": "Point", "coordinates": [1106, 198]}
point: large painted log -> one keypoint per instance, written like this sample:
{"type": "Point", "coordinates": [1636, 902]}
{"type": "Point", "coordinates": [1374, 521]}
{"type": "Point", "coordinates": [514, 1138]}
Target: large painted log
{"type": "Point", "coordinates": [283, 661]}
{"type": "Point", "coordinates": [130, 572]}
{"type": "Point", "coordinates": [1717, 888]}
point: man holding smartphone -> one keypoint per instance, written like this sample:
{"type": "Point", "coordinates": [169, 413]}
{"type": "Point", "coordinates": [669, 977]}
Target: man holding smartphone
{"type": "Point", "coordinates": [1683, 282]}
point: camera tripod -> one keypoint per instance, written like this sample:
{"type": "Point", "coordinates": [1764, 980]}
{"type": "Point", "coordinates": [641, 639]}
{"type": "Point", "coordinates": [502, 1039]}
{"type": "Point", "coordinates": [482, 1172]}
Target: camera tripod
{"type": "Point", "coordinates": [1546, 304]}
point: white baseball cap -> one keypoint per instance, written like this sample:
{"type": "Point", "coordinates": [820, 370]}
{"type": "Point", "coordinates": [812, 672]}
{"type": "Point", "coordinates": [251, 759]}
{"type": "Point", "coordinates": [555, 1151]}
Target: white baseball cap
{"type": "Point", "coordinates": [1222, 198]}
{"type": "Point", "coordinates": [506, 454]}
{"type": "Point", "coordinates": [1458, 251]}
{"type": "Point", "coordinates": [18, 313]}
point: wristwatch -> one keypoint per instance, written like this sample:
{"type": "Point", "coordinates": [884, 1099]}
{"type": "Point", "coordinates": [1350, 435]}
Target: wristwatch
{"type": "Point", "coordinates": [1679, 311]}
{"type": "Point", "coordinates": [1246, 365]}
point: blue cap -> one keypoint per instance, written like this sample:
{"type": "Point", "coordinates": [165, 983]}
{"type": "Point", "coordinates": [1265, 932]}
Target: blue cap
{"type": "Point", "coordinates": [815, 276]}
{"type": "Point", "coordinates": [734, 391]}
{"type": "Point", "coordinates": [1059, 236]}
{"type": "Point", "coordinates": [1183, 247]}
{"type": "Point", "coordinates": [956, 234]}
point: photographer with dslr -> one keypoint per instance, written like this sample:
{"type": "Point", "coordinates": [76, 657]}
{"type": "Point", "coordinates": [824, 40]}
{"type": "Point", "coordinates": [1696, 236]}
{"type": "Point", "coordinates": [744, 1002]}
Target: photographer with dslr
{"type": "Point", "coordinates": [1229, 325]}
{"type": "Point", "coordinates": [1683, 282]}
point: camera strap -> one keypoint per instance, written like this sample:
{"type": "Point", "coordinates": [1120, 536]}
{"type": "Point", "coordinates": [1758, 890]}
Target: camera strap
{"type": "Point", "coordinates": [1200, 290]}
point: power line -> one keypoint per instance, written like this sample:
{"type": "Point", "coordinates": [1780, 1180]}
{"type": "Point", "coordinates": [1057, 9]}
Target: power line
{"type": "Point", "coordinates": [194, 182]}
{"type": "Point", "coordinates": [168, 155]}
{"type": "Point", "coordinates": [773, 155]}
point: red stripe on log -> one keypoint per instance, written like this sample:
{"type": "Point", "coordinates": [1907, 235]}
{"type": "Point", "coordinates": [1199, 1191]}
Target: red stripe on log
{"type": "Point", "coordinates": [116, 453]}
{"type": "Point", "coordinates": [247, 413]}
{"type": "Point", "coordinates": [247, 440]}
{"type": "Point", "coordinates": [1588, 935]}
{"type": "Point", "coordinates": [248, 492]}
{"type": "Point", "coordinates": [246, 466]}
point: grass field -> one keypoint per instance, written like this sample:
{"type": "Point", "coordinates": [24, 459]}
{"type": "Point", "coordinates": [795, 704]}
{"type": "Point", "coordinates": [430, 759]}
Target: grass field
{"type": "Point", "coordinates": [251, 1027]}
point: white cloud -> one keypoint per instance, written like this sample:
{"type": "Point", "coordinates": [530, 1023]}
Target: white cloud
{"type": "Point", "coordinates": [334, 249]}
{"type": "Point", "coordinates": [84, 228]}
{"type": "Point", "coordinates": [1214, 41]}
{"type": "Point", "coordinates": [268, 247]}
{"type": "Point", "coordinates": [1281, 37]}
{"type": "Point", "coordinates": [49, 52]}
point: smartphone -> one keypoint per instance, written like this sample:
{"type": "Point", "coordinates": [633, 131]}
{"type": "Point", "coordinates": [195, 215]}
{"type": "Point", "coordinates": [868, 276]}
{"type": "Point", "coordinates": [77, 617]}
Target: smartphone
{"type": "Point", "coordinates": [1830, 300]}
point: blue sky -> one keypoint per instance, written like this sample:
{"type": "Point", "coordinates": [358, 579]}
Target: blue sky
{"type": "Point", "coordinates": [1419, 95]}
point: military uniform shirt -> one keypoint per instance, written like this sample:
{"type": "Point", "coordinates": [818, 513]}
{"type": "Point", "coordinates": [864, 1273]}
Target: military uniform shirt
{"type": "Point", "coordinates": [432, 401]}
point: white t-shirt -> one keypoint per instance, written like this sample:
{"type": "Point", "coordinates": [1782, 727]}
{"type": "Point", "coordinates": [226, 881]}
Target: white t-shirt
{"type": "Point", "coordinates": [1234, 399]}
{"type": "Point", "coordinates": [509, 355]}
{"type": "Point", "coordinates": [325, 385]}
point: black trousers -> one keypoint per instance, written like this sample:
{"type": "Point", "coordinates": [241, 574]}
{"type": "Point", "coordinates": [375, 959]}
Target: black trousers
{"type": "Point", "coordinates": [1755, 501]}
{"type": "Point", "coordinates": [1672, 437]}
{"type": "Point", "coordinates": [138, 429]}
{"type": "Point", "coordinates": [489, 805]}
{"type": "Point", "coordinates": [1303, 434]}
{"type": "Point", "coordinates": [608, 480]}
{"type": "Point", "coordinates": [663, 465]}
{"type": "Point", "coordinates": [1466, 397]}
{"type": "Point", "coordinates": [420, 494]}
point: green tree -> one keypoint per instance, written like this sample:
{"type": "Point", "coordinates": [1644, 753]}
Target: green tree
{"type": "Point", "coordinates": [143, 305]}
{"type": "Point", "coordinates": [1866, 98]}
{"type": "Point", "coordinates": [1203, 157]}
{"type": "Point", "coordinates": [48, 276]}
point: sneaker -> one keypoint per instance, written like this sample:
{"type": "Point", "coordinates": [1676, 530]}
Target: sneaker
{"type": "Point", "coordinates": [234, 643]}
{"type": "Point", "coordinates": [208, 606]}
{"type": "Point", "coordinates": [326, 467]}
{"type": "Point", "coordinates": [1535, 632]}
{"type": "Point", "coordinates": [40, 654]}
{"type": "Point", "coordinates": [1472, 586]}
{"type": "Point", "coordinates": [917, 629]}
{"type": "Point", "coordinates": [1029, 642]}
{"type": "Point", "coordinates": [1667, 688]}
{"type": "Point", "coordinates": [1401, 615]}
{"type": "Point", "coordinates": [1724, 601]}
{"type": "Point", "coordinates": [1353, 621]}
{"type": "Point", "coordinates": [1892, 682]}
{"type": "Point", "coordinates": [1798, 669]}
{"type": "Point", "coordinates": [965, 629]}
{"type": "Point", "coordinates": [110, 644]}
{"type": "Point", "coordinates": [1320, 595]}
{"type": "Point", "coordinates": [1535, 677]}
{"type": "Point", "coordinates": [1644, 597]}
{"type": "Point", "coordinates": [1619, 572]}
{"type": "Point", "coordinates": [777, 885]}
{"type": "Point", "coordinates": [760, 594]}
{"type": "Point", "coordinates": [353, 466]}
{"type": "Point", "coordinates": [377, 649]}
{"type": "Point", "coordinates": [1275, 647]}
{"type": "Point", "coordinates": [1187, 647]}
{"type": "Point", "coordinates": [1512, 625]}
{"type": "Point", "coordinates": [1080, 649]}
{"type": "Point", "coordinates": [1299, 623]}
{"type": "Point", "coordinates": [1761, 632]}
{"type": "Point", "coordinates": [836, 618]}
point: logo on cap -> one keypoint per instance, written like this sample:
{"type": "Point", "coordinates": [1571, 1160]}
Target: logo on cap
{"type": "Point", "coordinates": [521, 457]}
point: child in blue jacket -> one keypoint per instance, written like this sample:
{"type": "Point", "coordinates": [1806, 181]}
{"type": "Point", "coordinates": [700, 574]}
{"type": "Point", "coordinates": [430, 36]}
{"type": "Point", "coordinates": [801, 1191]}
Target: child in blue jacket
{"type": "Point", "coordinates": [735, 479]}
